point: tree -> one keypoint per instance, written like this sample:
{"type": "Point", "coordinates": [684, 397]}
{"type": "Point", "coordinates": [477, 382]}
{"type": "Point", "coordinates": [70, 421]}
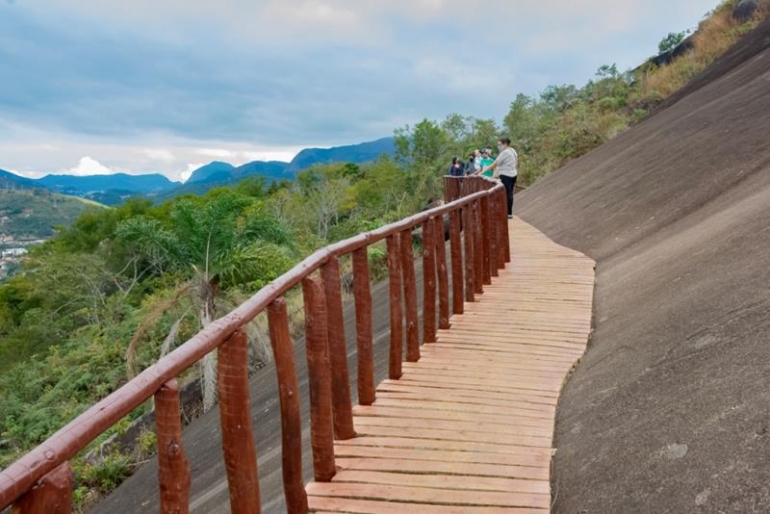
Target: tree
{"type": "Point", "coordinates": [457, 127]}
{"type": "Point", "coordinates": [671, 41]}
{"type": "Point", "coordinates": [420, 146]}
{"type": "Point", "coordinates": [559, 98]}
{"type": "Point", "coordinates": [207, 241]}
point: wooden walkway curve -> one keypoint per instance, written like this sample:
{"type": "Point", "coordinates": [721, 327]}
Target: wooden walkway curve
{"type": "Point", "coordinates": [469, 428]}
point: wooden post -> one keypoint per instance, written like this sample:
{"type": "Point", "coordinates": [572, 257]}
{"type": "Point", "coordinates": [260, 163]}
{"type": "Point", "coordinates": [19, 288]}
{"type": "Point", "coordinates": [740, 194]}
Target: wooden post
{"type": "Point", "coordinates": [504, 217]}
{"type": "Point", "coordinates": [237, 433]}
{"type": "Point", "coordinates": [478, 249]}
{"type": "Point", "coordinates": [429, 281]}
{"type": "Point", "coordinates": [500, 242]}
{"type": "Point", "coordinates": [338, 351]}
{"type": "Point", "coordinates": [494, 230]}
{"type": "Point", "coordinates": [451, 189]}
{"type": "Point", "coordinates": [410, 297]}
{"type": "Point", "coordinates": [319, 377]}
{"type": "Point", "coordinates": [291, 423]}
{"type": "Point", "coordinates": [470, 274]}
{"type": "Point", "coordinates": [173, 470]}
{"type": "Point", "coordinates": [455, 244]}
{"type": "Point", "coordinates": [396, 314]}
{"type": "Point", "coordinates": [443, 276]}
{"type": "Point", "coordinates": [52, 494]}
{"type": "Point", "coordinates": [363, 298]}
{"type": "Point", "coordinates": [485, 233]}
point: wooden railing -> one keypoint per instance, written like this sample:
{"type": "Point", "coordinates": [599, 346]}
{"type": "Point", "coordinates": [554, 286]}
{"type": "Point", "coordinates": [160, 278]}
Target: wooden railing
{"type": "Point", "coordinates": [41, 481]}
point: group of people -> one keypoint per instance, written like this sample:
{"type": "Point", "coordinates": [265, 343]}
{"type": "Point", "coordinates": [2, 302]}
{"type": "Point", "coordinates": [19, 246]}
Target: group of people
{"type": "Point", "coordinates": [481, 162]}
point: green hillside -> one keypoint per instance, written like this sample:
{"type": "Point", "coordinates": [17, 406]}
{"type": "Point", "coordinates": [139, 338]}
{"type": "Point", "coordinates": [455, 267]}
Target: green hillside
{"type": "Point", "coordinates": [34, 213]}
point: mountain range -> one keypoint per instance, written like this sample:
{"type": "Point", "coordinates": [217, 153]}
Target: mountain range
{"type": "Point", "coordinates": [115, 188]}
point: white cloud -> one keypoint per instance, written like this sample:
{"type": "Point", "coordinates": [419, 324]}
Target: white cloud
{"type": "Point", "coordinates": [239, 157]}
{"type": "Point", "coordinates": [27, 173]}
{"type": "Point", "coordinates": [158, 154]}
{"type": "Point", "coordinates": [88, 166]}
{"type": "Point", "coordinates": [185, 175]}
{"type": "Point", "coordinates": [275, 155]}
{"type": "Point", "coordinates": [217, 153]}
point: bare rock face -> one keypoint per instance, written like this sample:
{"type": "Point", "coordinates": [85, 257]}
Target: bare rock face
{"type": "Point", "coordinates": [745, 9]}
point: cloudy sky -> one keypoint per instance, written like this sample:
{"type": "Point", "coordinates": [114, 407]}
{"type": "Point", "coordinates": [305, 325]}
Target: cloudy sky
{"type": "Point", "coordinates": [94, 86]}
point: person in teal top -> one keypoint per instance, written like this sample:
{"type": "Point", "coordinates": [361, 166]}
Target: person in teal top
{"type": "Point", "coordinates": [486, 160]}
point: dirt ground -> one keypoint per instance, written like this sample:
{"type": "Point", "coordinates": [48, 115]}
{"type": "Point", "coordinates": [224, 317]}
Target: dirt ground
{"type": "Point", "coordinates": [669, 412]}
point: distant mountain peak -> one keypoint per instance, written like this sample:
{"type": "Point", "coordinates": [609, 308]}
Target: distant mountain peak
{"type": "Point", "coordinates": [205, 173]}
{"type": "Point", "coordinates": [357, 154]}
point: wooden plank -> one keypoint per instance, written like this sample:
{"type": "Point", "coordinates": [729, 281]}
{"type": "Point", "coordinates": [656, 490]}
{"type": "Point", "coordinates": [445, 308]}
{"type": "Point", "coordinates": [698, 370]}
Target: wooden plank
{"type": "Point", "coordinates": [420, 422]}
{"type": "Point", "coordinates": [395, 412]}
{"type": "Point", "coordinates": [481, 401]}
{"type": "Point", "coordinates": [518, 408]}
{"type": "Point", "coordinates": [437, 434]}
{"type": "Point", "coordinates": [533, 461]}
{"type": "Point", "coordinates": [443, 468]}
{"type": "Point", "coordinates": [500, 382]}
{"type": "Point", "coordinates": [446, 482]}
{"type": "Point", "coordinates": [430, 495]}
{"type": "Point", "coordinates": [480, 387]}
{"type": "Point", "coordinates": [552, 371]}
{"type": "Point", "coordinates": [457, 446]}
{"type": "Point", "coordinates": [525, 364]}
{"type": "Point", "coordinates": [471, 394]}
{"type": "Point", "coordinates": [325, 505]}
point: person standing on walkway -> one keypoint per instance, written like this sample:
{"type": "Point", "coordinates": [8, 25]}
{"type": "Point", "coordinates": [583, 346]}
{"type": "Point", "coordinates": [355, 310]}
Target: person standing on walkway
{"type": "Point", "coordinates": [470, 166]}
{"type": "Point", "coordinates": [457, 169]}
{"type": "Point", "coordinates": [505, 169]}
{"type": "Point", "coordinates": [486, 161]}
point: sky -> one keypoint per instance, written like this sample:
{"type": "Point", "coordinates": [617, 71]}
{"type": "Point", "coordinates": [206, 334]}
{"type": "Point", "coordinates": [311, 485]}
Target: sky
{"type": "Point", "coordinates": [140, 86]}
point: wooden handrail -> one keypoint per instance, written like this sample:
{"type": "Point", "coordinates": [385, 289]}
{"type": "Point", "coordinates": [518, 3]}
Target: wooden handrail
{"type": "Point", "coordinates": [47, 463]}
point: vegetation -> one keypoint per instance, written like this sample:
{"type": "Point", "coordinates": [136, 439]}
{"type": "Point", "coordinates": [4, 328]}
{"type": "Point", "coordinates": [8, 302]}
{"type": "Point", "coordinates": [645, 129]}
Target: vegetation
{"type": "Point", "coordinates": [35, 213]}
{"type": "Point", "coordinates": [120, 287]}
{"type": "Point", "coordinates": [671, 41]}
{"type": "Point", "coordinates": [715, 35]}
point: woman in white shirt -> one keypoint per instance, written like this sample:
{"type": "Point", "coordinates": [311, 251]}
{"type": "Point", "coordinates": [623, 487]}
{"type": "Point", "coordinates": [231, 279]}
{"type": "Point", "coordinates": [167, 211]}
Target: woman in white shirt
{"type": "Point", "coordinates": [505, 169]}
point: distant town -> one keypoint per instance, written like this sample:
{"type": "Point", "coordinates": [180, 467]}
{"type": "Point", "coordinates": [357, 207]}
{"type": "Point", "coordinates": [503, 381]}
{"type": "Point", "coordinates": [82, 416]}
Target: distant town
{"type": "Point", "coordinates": [12, 252]}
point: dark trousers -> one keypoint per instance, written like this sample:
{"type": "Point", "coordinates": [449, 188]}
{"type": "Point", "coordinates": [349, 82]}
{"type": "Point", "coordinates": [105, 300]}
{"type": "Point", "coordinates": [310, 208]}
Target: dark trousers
{"type": "Point", "coordinates": [510, 185]}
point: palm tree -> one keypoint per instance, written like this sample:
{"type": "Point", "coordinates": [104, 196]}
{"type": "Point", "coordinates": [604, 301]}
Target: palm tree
{"type": "Point", "coordinates": [216, 247]}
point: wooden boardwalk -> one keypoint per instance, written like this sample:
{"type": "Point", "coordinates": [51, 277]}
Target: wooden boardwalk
{"type": "Point", "coordinates": [469, 428]}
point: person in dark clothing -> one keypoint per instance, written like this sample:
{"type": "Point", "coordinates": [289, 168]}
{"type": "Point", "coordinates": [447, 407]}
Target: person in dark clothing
{"type": "Point", "coordinates": [457, 169]}
{"type": "Point", "coordinates": [470, 166]}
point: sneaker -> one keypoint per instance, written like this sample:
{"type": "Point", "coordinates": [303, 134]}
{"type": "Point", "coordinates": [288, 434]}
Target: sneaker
{"type": "Point", "coordinates": [510, 216]}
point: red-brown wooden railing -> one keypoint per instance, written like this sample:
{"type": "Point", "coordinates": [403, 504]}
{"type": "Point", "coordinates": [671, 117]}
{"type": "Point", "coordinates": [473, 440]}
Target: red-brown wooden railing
{"type": "Point", "coordinates": [41, 481]}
